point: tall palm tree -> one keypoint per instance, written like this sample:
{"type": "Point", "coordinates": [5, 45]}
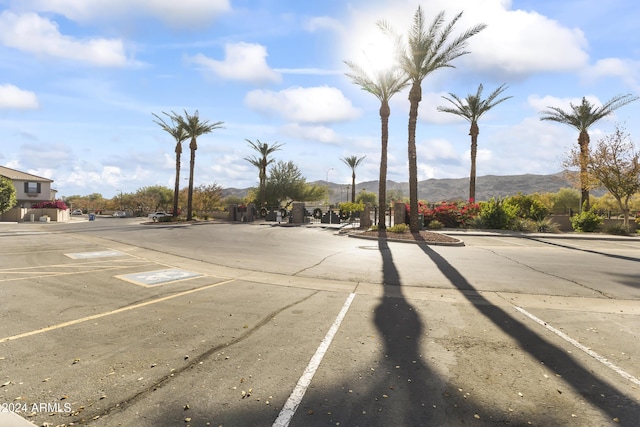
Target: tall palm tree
{"type": "Point", "coordinates": [425, 51]}
{"type": "Point", "coordinates": [353, 162]}
{"type": "Point", "coordinates": [581, 117]}
{"type": "Point", "coordinates": [262, 162]}
{"type": "Point", "coordinates": [194, 127]}
{"type": "Point", "coordinates": [180, 135]}
{"type": "Point", "coordinates": [471, 109]}
{"type": "Point", "coordinates": [383, 85]}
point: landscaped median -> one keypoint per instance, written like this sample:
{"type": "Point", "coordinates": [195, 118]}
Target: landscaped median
{"type": "Point", "coordinates": [422, 237]}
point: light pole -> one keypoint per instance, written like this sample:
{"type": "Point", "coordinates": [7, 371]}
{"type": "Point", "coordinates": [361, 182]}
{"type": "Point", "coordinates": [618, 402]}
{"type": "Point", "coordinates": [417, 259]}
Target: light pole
{"type": "Point", "coordinates": [328, 194]}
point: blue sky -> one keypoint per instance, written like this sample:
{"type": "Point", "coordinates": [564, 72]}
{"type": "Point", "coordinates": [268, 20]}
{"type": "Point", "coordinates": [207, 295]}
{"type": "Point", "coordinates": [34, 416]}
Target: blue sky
{"type": "Point", "coordinates": [80, 79]}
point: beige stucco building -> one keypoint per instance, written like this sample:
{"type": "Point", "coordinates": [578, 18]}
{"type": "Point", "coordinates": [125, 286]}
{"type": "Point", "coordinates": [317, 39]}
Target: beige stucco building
{"type": "Point", "coordinates": [30, 189]}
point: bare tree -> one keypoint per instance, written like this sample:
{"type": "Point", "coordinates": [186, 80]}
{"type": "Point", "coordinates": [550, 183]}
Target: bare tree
{"type": "Point", "coordinates": [615, 165]}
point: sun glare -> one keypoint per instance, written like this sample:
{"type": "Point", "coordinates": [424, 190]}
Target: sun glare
{"type": "Point", "coordinates": [373, 50]}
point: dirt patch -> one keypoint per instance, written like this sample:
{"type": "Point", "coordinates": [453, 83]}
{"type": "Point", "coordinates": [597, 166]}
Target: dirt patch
{"type": "Point", "coordinates": [422, 236]}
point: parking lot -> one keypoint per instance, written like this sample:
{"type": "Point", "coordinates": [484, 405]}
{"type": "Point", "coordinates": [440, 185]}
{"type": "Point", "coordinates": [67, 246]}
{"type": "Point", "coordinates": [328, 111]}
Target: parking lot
{"type": "Point", "coordinates": [118, 323]}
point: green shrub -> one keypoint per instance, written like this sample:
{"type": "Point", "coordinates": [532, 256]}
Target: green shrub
{"type": "Point", "coordinates": [398, 228]}
{"type": "Point", "coordinates": [586, 221]}
{"type": "Point", "coordinates": [435, 225]}
{"type": "Point", "coordinates": [495, 214]}
{"type": "Point", "coordinates": [527, 206]}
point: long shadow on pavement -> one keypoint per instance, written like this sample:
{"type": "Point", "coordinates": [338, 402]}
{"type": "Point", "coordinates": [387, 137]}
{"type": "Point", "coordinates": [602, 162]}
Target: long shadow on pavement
{"type": "Point", "coordinates": [596, 391]}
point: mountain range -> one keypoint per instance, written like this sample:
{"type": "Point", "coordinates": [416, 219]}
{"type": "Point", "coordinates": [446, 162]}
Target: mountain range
{"type": "Point", "coordinates": [436, 190]}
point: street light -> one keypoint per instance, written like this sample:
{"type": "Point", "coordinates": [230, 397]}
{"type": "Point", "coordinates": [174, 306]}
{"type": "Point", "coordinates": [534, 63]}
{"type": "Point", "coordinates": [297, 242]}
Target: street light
{"type": "Point", "coordinates": [328, 194]}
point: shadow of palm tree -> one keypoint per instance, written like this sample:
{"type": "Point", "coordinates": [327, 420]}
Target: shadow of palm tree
{"type": "Point", "coordinates": [593, 389]}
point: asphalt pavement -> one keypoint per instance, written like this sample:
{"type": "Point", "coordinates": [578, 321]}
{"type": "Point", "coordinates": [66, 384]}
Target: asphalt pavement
{"type": "Point", "coordinates": [118, 323]}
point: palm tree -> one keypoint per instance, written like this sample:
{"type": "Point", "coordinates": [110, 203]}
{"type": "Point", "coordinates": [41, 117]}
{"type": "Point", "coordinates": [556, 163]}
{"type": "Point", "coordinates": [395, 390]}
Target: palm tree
{"type": "Point", "coordinates": [425, 51]}
{"type": "Point", "coordinates": [383, 85]}
{"type": "Point", "coordinates": [194, 128]}
{"type": "Point", "coordinates": [180, 135]}
{"type": "Point", "coordinates": [581, 117]}
{"type": "Point", "coordinates": [262, 162]}
{"type": "Point", "coordinates": [471, 109]}
{"type": "Point", "coordinates": [353, 162]}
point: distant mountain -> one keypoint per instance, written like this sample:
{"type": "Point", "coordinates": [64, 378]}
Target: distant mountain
{"type": "Point", "coordinates": [436, 190]}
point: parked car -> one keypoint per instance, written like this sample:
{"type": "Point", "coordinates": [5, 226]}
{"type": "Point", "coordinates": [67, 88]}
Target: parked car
{"type": "Point", "coordinates": [154, 216]}
{"type": "Point", "coordinates": [77, 212]}
{"type": "Point", "coordinates": [119, 214]}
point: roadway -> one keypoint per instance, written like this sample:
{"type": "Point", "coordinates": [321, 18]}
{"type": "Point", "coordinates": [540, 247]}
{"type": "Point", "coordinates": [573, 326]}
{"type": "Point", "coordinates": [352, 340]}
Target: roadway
{"type": "Point", "coordinates": [118, 323]}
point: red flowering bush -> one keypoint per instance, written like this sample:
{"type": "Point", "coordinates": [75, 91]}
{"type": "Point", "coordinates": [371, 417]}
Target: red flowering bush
{"type": "Point", "coordinates": [55, 204]}
{"type": "Point", "coordinates": [451, 215]}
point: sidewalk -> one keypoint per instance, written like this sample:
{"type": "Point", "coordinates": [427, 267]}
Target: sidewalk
{"type": "Point", "coordinates": [568, 235]}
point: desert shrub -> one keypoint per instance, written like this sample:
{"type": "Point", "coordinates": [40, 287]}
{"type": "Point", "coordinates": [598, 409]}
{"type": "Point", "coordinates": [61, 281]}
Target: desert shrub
{"type": "Point", "coordinates": [373, 227]}
{"type": "Point", "coordinates": [476, 222]}
{"type": "Point", "coordinates": [398, 228]}
{"type": "Point", "coordinates": [617, 228]}
{"type": "Point", "coordinates": [496, 214]}
{"type": "Point", "coordinates": [547, 226]}
{"type": "Point", "coordinates": [586, 221]}
{"type": "Point", "coordinates": [522, 224]}
{"type": "Point", "coordinates": [435, 225]}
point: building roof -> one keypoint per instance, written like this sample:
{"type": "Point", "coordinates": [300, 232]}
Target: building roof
{"type": "Point", "coordinates": [21, 176]}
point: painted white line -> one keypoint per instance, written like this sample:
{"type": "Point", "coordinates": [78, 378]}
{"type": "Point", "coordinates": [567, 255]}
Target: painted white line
{"type": "Point", "coordinates": [587, 350]}
{"type": "Point", "coordinates": [291, 405]}
{"type": "Point", "coordinates": [109, 313]}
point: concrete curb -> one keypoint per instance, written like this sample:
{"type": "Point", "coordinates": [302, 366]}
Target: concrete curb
{"type": "Point", "coordinates": [415, 242]}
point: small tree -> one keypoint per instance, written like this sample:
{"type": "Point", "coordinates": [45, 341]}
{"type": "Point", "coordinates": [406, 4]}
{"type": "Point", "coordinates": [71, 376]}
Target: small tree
{"type": "Point", "coordinates": [365, 197]}
{"type": "Point", "coordinates": [615, 164]}
{"type": "Point", "coordinates": [566, 199]}
{"type": "Point", "coordinates": [7, 194]}
{"type": "Point", "coordinates": [286, 182]}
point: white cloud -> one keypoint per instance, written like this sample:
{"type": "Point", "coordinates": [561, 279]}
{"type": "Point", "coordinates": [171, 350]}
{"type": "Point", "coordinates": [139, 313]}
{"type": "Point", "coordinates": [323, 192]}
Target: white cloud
{"type": "Point", "coordinates": [243, 61]}
{"type": "Point", "coordinates": [13, 97]}
{"type": "Point", "coordinates": [34, 34]}
{"type": "Point", "coordinates": [543, 103]}
{"type": "Point", "coordinates": [320, 23]}
{"type": "Point", "coordinates": [515, 42]}
{"type": "Point", "coordinates": [311, 133]}
{"type": "Point", "coordinates": [627, 70]}
{"type": "Point", "coordinates": [320, 104]}
{"type": "Point", "coordinates": [185, 13]}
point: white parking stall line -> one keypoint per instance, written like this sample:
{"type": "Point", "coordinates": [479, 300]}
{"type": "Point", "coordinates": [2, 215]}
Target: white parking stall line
{"type": "Point", "coordinates": [291, 405]}
{"type": "Point", "coordinates": [158, 277]}
{"type": "Point", "coordinates": [576, 344]}
{"type": "Point", "coordinates": [112, 312]}
{"type": "Point", "coordinates": [95, 254]}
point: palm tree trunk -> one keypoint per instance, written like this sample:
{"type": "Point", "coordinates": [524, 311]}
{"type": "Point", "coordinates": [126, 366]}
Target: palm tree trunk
{"type": "Point", "coordinates": [263, 183]}
{"type": "Point", "coordinates": [415, 96]}
{"type": "Point", "coordinates": [583, 142]}
{"type": "Point", "coordinates": [385, 112]}
{"type": "Point", "coordinates": [176, 188]}
{"type": "Point", "coordinates": [353, 186]}
{"type": "Point", "coordinates": [474, 151]}
{"type": "Point", "coordinates": [193, 146]}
